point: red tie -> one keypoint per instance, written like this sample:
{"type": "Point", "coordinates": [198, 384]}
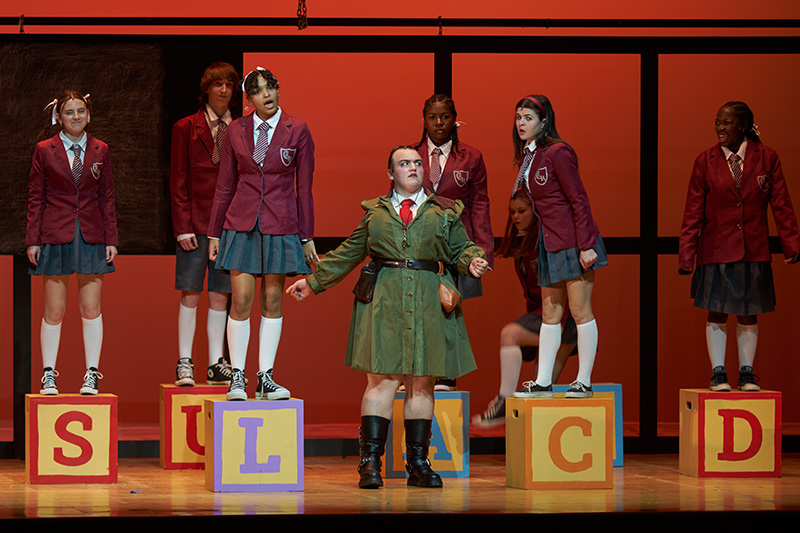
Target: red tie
{"type": "Point", "coordinates": [405, 211]}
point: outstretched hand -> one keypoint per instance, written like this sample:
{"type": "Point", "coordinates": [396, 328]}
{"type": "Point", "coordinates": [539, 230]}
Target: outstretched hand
{"type": "Point", "coordinates": [299, 290]}
{"type": "Point", "coordinates": [478, 267]}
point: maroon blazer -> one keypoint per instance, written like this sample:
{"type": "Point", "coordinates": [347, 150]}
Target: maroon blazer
{"type": "Point", "coordinates": [560, 201]}
{"type": "Point", "coordinates": [278, 193]}
{"type": "Point", "coordinates": [525, 268]}
{"type": "Point", "coordinates": [464, 178]}
{"type": "Point", "coordinates": [192, 174]}
{"type": "Point", "coordinates": [725, 225]}
{"type": "Point", "coordinates": [54, 200]}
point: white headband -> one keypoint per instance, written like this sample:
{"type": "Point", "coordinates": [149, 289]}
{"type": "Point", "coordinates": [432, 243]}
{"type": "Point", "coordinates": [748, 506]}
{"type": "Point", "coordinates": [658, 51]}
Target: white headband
{"type": "Point", "coordinates": [248, 74]}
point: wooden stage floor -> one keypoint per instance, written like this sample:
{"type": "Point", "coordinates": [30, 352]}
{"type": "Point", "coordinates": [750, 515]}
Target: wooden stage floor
{"type": "Point", "coordinates": [647, 490]}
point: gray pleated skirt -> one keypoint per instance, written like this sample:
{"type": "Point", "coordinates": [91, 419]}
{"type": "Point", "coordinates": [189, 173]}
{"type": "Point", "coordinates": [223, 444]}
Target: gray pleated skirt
{"type": "Point", "coordinates": [254, 252]}
{"type": "Point", "coordinates": [555, 267]}
{"type": "Point", "coordinates": [740, 289]}
{"type": "Point", "coordinates": [75, 257]}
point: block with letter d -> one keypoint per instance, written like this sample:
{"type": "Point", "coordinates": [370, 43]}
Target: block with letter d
{"type": "Point", "coordinates": [71, 438]}
{"type": "Point", "coordinates": [730, 434]}
{"type": "Point", "coordinates": [183, 435]}
{"type": "Point", "coordinates": [449, 447]}
{"type": "Point", "coordinates": [559, 443]}
{"type": "Point", "coordinates": [254, 446]}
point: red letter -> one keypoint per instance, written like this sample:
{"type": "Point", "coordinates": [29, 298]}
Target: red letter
{"type": "Point", "coordinates": [192, 411]}
{"type": "Point", "coordinates": [554, 444]}
{"type": "Point", "coordinates": [728, 454]}
{"type": "Point", "coordinates": [64, 434]}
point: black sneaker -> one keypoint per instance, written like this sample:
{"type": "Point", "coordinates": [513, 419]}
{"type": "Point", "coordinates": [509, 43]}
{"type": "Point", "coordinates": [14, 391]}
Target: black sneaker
{"type": "Point", "coordinates": [49, 382]}
{"type": "Point", "coordinates": [494, 415]}
{"type": "Point", "coordinates": [719, 381]}
{"type": "Point", "coordinates": [268, 389]}
{"type": "Point", "coordinates": [579, 390]}
{"type": "Point", "coordinates": [531, 390]}
{"type": "Point", "coordinates": [90, 379]}
{"type": "Point", "coordinates": [747, 380]}
{"type": "Point", "coordinates": [219, 373]}
{"type": "Point", "coordinates": [184, 372]}
{"type": "Point", "coordinates": [237, 389]}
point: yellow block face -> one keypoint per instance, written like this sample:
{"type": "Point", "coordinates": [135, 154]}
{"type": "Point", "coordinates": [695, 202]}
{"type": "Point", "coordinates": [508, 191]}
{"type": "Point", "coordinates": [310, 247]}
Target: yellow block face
{"type": "Point", "coordinates": [74, 441]}
{"type": "Point", "coordinates": [259, 447]}
{"type": "Point", "coordinates": [188, 435]}
{"type": "Point", "coordinates": [739, 436]}
{"type": "Point", "coordinates": [568, 443]}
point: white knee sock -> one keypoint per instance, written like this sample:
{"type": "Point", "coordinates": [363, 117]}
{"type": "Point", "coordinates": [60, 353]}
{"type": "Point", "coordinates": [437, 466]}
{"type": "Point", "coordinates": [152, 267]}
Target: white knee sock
{"type": "Point", "coordinates": [587, 349]}
{"type": "Point", "coordinates": [510, 365]}
{"type": "Point", "coordinates": [549, 341]}
{"type": "Point", "coordinates": [187, 319]}
{"type": "Point", "coordinates": [50, 338]}
{"type": "Point", "coordinates": [238, 339]}
{"type": "Point", "coordinates": [716, 338]}
{"type": "Point", "coordinates": [92, 340]}
{"type": "Point", "coordinates": [215, 329]}
{"type": "Point", "coordinates": [747, 339]}
{"type": "Point", "coordinates": [269, 335]}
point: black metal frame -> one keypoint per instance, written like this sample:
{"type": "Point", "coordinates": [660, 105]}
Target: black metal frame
{"type": "Point", "coordinates": [648, 245]}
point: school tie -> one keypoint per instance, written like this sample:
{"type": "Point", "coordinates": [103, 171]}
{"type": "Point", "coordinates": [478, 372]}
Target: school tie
{"type": "Point", "coordinates": [523, 168]}
{"type": "Point", "coordinates": [261, 145]}
{"type": "Point", "coordinates": [736, 168]}
{"type": "Point", "coordinates": [219, 139]}
{"type": "Point", "coordinates": [77, 165]}
{"type": "Point", "coordinates": [405, 211]}
{"type": "Point", "coordinates": [436, 167]}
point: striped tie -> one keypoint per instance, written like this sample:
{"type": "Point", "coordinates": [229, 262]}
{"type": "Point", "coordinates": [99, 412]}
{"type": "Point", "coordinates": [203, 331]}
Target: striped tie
{"type": "Point", "coordinates": [436, 167]}
{"type": "Point", "coordinates": [260, 150]}
{"type": "Point", "coordinates": [522, 170]}
{"type": "Point", "coordinates": [219, 139]}
{"type": "Point", "coordinates": [77, 165]}
{"type": "Point", "coordinates": [736, 168]}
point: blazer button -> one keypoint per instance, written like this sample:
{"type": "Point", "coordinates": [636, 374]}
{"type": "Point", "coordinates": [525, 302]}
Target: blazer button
{"type": "Point", "coordinates": [410, 311]}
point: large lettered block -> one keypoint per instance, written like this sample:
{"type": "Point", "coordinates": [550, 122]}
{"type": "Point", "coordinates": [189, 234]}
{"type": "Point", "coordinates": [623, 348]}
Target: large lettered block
{"type": "Point", "coordinates": [559, 443]}
{"type": "Point", "coordinates": [449, 448]}
{"type": "Point", "coordinates": [254, 446]}
{"type": "Point", "coordinates": [71, 438]}
{"type": "Point", "coordinates": [183, 434]}
{"type": "Point", "coordinates": [609, 390]}
{"type": "Point", "coordinates": [730, 434]}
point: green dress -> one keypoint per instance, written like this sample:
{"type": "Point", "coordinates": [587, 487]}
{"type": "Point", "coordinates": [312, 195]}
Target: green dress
{"type": "Point", "coordinates": [404, 330]}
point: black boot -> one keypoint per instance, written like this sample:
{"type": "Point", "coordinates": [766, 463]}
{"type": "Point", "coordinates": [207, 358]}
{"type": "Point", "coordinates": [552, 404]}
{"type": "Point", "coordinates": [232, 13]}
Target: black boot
{"type": "Point", "coordinates": [373, 431]}
{"type": "Point", "coordinates": [418, 438]}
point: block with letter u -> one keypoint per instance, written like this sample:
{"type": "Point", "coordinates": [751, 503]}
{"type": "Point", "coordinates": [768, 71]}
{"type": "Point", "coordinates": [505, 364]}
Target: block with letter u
{"type": "Point", "coordinates": [730, 434]}
{"type": "Point", "coordinates": [254, 446]}
{"type": "Point", "coordinates": [183, 435]}
{"type": "Point", "coordinates": [559, 443]}
{"type": "Point", "coordinates": [71, 438]}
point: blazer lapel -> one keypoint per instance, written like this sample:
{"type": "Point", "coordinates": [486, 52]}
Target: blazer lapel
{"type": "Point", "coordinates": [426, 166]}
{"type": "Point", "coordinates": [278, 137]}
{"type": "Point", "coordinates": [203, 131]}
{"type": "Point", "coordinates": [720, 164]}
{"type": "Point", "coordinates": [246, 134]}
{"type": "Point", "coordinates": [454, 160]}
{"type": "Point", "coordinates": [60, 155]}
{"type": "Point", "coordinates": [89, 158]}
{"type": "Point", "coordinates": [752, 161]}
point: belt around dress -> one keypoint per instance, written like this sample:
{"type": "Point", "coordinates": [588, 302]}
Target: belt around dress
{"type": "Point", "coordinates": [436, 267]}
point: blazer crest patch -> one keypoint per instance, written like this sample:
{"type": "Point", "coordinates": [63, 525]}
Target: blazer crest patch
{"type": "Point", "coordinates": [461, 177]}
{"type": "Point", "coordinates": [541, 176]}
{"type": "Point", "coordinates": [763, 182]}
{"type": "Point", "coordinates": [96, 168]}
{"type": "Point", "coordinates": [287, 155]}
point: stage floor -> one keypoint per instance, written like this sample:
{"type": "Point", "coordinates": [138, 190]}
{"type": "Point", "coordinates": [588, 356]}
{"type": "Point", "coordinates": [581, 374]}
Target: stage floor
{"type": "Point", "coordinates": [647, 484]}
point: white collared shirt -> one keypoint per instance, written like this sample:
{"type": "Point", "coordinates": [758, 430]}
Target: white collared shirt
{"type": "Point", "coordinates": [445, 153]}
{"type": "Point", "coordinates": [273, 123]}
{"type": "Point", "coordinates": [742, 150]}
{"type": "Point", "coordinates": [212, 119]}
{"type": "Point", "coordinates": [68, 146]}
{"type": "Point", "coordinates": [418, 198]}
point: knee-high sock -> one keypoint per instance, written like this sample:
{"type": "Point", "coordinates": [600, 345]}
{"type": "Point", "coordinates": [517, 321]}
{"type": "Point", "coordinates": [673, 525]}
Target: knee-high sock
{"type": "Point", "coordinates": [215, 329]}
{"type": "Point", "coordinates": [549, 341]}
{"type": "Point", "coordinates": [747, 339]}
{"type": "Point", "coordinates": [238, 339]}
{"type": "Point", "coordinates": [50, 337]}
{"type": "Point", "coordinates": [92, 340]}
{"type": "Point", "coordinates": [187, 319]}
{"type": "Point", "coordinates": [510, 365]}
{"type": "Point", "coordinates": [269, 335]}
{"type": "Point", "coordinates": [587, 349]}
{"type": "Point", "coordinates": [716, 338]}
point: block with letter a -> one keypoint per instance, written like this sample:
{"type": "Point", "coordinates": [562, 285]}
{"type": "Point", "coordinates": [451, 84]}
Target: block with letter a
{"type": "Point", "coordinates": [71, 438]}
{"type": "Point", "coordinates": [559, 443]}
{"type": "Point", "coordinates": [254, 446]}
{"type": "Point", "coordinates": [730, 434]}
{"type": "Point", "coordinates": [183, 437]}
